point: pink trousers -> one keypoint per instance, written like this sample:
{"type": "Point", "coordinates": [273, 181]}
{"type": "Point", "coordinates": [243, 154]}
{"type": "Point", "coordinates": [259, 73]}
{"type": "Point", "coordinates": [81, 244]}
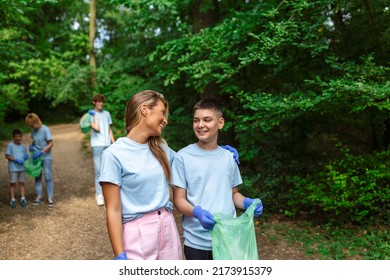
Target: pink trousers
{"type": "Point", "coordinates": [154, 236]}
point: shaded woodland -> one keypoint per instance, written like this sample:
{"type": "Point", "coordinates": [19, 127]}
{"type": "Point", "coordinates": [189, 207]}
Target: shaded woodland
{"type": "Point", "coordinates": [304, 84]}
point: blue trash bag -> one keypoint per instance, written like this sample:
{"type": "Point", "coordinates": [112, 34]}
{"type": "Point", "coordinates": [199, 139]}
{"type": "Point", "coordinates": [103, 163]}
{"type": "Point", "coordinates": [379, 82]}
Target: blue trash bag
{"type": "Point", "coordinates": [235, 238]}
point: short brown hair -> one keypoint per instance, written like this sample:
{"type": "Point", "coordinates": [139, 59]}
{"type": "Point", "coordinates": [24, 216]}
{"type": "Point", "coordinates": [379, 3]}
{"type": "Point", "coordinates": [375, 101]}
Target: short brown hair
{"type": "Point", "coordinates": [16, 132]}
{"type": "Point", "coordinates": [210, 104]}
{"type": "Point", "coordinates": [99, 97]}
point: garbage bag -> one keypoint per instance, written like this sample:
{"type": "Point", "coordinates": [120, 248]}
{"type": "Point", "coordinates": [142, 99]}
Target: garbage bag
{"type": "Point", "coordinates": [235, 238]}
{"type": "Point", "coordinates": [85, 123]}
{"type": "Point", "coordinates": [33, 167]}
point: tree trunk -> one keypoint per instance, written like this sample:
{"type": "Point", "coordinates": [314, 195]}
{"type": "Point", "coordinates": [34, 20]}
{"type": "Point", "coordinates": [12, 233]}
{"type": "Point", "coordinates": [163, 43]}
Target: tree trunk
{"type": "Point", "coordinates": [92, 34]}
{"type": "Point", "coordinates": [207, 18]}
{"type": "Point", "coordinates": [203, 19]}
{"type": "Point", "coordinates": [386, 134]}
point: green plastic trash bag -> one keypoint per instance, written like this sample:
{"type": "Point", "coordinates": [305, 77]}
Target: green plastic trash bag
{"type": "Point", "coordinates": [235, 238]}
{"type": "Point", "coordinates": [85, 123]}
{"type": "Point", "coordinates": [33, 167]}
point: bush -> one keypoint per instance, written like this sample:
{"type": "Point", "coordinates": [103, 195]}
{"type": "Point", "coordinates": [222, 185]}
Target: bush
{"type": "Point", "coordinates": [351, 189]}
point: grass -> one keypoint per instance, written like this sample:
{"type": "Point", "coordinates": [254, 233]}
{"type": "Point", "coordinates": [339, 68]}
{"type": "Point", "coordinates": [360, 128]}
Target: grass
{"type": "Point", "coordinates": [337, 243]}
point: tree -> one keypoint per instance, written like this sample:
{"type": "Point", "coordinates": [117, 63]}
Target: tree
{"type": "Point", "coordinates": [92, 34]}
{"type": "Point", "coordinates": [297, 79]}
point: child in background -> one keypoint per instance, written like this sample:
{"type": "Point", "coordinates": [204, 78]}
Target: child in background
{"type": "Point", "coordinates": [206, 177]}
{"type": "Point", "coordinates": [16, 153]}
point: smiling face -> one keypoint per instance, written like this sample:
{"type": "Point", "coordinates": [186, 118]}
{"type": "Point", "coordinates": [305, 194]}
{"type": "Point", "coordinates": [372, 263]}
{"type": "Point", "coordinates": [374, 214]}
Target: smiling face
{"type": "Point", "coordinates": [18, 139]}
{"type": "Point", "coordinates": [155, 118]}
{"type": "Point", "coordinates": [206, 124]}
{"type": "Point", "coordinates": [98, 105]}
{"type": "Point", "coordinates": [98, 102]}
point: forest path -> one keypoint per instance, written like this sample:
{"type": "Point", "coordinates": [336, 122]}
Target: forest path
{"type": "Point", "coordinates": [75, 229]}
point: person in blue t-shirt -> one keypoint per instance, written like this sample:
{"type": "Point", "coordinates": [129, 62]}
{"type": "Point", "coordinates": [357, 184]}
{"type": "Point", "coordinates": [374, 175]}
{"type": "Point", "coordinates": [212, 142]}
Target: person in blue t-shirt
{"type": "Point", "coordinates": [101, 138]}
{"type": "Point", "coordinates": [206, 177]}
{"type": "Point", "coordinates": [16, 153]}
{"type": "Point", "coordinates": [41, 147]}
{"type": "Point", "coordinates": [135, 175]}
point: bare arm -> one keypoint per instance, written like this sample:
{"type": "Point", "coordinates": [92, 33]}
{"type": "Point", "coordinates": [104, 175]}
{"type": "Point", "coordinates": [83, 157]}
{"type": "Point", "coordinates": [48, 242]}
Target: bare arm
{"type": "Point", "coordinates": [9, 157]}
{"type": "Point", "coordinates": [113, 203]}
{"type": "Point", "coordinates": [95, 124]}
{"type": "Point", "coordinates": [181, 202]}
{"type": "Point", "coordinates": [238, 199]}
{"type": "Point", "coordinates": [111, 135]}
{"type": "Point", "coordinates": [48, 147]}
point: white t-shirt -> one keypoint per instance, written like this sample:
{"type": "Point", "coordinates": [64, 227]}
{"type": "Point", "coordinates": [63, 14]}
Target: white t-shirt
{"type": "Point", "coordinates": [102, 137]}
{"type": "Point", "coordinates": [208, 177]}
{"type": "Point", "coordinates": [140, 177]}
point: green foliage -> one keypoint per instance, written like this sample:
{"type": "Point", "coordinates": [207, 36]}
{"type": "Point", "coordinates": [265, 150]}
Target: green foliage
{"type": "Point", "coordinates": [7, 128]}
{"type": "Point", "coordinates": [178, 133]}
{"type": "Point", "coordinates": [118, 84]}
{"type": "Point", "coordinates": [293, 77]}
{"type": "Point", "coordinates": [350, 189]}
{"type": "Point", "coordinates": [328, 242]}
{"type": "Point", "coordinates": [34, 62]}
{"type": "Point", "coordinates": [252, 39]}
{"type": "Point", "coordinates": [35, 74]}
{"type": "Point", "coordinates": [360, 87]}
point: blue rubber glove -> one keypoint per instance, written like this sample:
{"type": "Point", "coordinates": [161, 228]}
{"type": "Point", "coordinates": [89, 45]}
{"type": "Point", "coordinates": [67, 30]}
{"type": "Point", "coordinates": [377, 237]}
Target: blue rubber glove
{"type": "Point", "coordinates": [37, 155]}
{"type": "Point", "coordinates": [205, 218]}
{"type": "Point", "coordinates": [259, 208]}
{"type": "Point", "coordinates": [32, 148]}
{"type": "Point", "coordinates": [121, 256]}
{"type": "Point", "coordinates": [236, 156]}
{"type": "Point", "coordinates": [92, 112]}
{"type": "Point", "coordinates": [18, 161]}
{"type": "Point", "coordinates": [25, 157]}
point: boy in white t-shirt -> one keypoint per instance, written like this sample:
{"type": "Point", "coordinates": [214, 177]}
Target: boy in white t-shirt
{"type": "Point", "coordinates": [206, 177]}
{"type": "Point", "coordinates": [16, 153]}
{"type": "Point", "coordinates": [101, 138]}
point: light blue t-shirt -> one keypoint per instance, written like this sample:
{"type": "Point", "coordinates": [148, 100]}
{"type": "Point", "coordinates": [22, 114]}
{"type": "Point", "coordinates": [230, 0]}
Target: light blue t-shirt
{"type": "Point", "coordinates": [102, 137]}
{"type": "Point", "coordinates": [208, 177]}
{"type": "Point", "coordinates": [41, 138]}
{"type": "Point", "coordinates": [140, 177]}
{"type": "Point", "coordinates": [17, 152]}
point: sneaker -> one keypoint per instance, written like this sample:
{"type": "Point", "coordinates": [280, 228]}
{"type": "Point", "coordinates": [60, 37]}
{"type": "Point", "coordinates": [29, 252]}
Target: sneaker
{"type": "Point", "coordinates": [12, 203]}
{"type": "Point", "coordinates": [99, 199]}
{"type": "Point", "coordinates": [37, 201]}
{"type": "Point", "coordinates": [51, 203]}
{"type": "Point", "coordinates": [23, 202]}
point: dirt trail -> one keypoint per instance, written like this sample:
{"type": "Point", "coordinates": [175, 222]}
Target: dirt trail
{"type": "Point", "coordinates": [75, 229]}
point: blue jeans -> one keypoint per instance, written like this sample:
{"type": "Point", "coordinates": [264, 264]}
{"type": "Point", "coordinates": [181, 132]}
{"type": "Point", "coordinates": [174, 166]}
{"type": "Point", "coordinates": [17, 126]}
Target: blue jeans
{"type": "Point", "coordinates": [97, 156]}
{"type": "Point", "coordinates": [46, 170]}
